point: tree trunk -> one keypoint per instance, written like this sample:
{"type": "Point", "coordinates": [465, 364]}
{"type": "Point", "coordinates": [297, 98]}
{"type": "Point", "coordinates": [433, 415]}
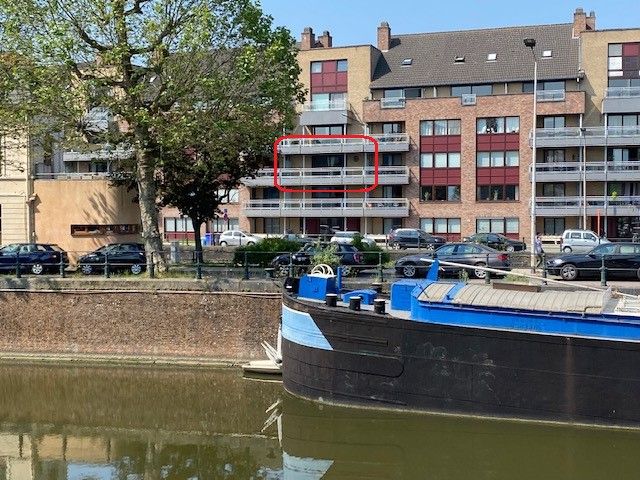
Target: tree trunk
{"type": "Point", "coordinates": [197, 224]}
{"type": "Point", "coordinates": [148, 211]}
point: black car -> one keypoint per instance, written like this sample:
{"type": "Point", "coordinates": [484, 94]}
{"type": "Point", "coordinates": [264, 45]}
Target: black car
{"type": "Point", "coordinates": [37, 258]}
{"type": "Point", "coordinates": [119, 256]}
{"type": "Point", "coordinates": [620, 260]}
{"type": "Point", "coordinates": [466, 253]}
{"type": "Point", "coordinates": [497, 241]}
{"type": "Point", "coordinates": [350, 258]}
{"type": "Point", "coordinates": [402, 238]}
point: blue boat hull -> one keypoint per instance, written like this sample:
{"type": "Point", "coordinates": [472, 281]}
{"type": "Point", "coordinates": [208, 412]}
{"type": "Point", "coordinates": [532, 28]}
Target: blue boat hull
{"type": "Point", "coordinates": [361, 358]}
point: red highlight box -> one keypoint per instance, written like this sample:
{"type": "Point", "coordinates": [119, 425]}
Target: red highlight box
{"type": "Point", "coordinates": [367, 189]}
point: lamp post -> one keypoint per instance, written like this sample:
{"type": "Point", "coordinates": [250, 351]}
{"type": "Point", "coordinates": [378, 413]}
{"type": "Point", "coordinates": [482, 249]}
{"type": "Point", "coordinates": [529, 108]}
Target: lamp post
{"type": "Point", "coordinates": [531, 43]}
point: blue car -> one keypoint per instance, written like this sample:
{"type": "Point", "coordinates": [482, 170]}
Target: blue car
{"type": "Point", "coordinates": [36, 258]}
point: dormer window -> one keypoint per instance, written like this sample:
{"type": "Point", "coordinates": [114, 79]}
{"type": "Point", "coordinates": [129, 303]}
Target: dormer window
{"type": "Point", "coordinates": [492, 57]}
{"type": "Point", "coordinates": [459, 59]}
{"type": "Point", "coordinates": [547, 54]}
{"type": "Point", "coordinates": [407, 62]}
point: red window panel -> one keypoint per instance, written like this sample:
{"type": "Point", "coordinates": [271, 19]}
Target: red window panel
{"type": "Point", "coordinates": [498, 176]}
{"type": "Point", "coordinates": [630, 49]}
{"type": "Point", "coordinates": [440, 176]}
{"type": "Point", "coordinates": [512, 175]}
{"type": "Point", "coordinates": [330, 80]}
{"type": "Point", "coordinates": [330, 66]}
{"type": "Point", "coordinates": [440, 144]}
{"type": "Point", "coordinates": [496, 142]}
{"type": "Point", "coordinates": [341, 79]}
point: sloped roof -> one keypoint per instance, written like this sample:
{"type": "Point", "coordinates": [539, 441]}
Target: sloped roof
{"type": "Point", "coordinates": [433, 57]}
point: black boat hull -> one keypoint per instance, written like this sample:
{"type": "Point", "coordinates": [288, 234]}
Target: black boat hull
{"type": "Point", "coordinates": [383, 361]}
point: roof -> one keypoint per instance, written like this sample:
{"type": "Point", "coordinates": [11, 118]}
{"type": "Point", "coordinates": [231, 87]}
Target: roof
{"type": "Point", "coordinates": [433, 57]}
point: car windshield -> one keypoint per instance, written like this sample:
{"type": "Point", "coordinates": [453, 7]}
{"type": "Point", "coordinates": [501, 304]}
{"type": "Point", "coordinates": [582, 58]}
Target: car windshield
{"type": "Point", "coordinates": [106, 248]}
{"type": "Point", "coordinates": [10, 248]}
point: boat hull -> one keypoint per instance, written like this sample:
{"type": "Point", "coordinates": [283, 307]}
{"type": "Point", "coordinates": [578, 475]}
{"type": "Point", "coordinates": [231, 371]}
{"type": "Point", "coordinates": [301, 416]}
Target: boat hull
{"type": "Point", "coordinates": [361, 358]}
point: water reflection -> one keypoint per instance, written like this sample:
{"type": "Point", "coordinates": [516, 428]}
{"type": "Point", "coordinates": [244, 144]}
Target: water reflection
{"type": "Point", "coordinates": [102, 423]}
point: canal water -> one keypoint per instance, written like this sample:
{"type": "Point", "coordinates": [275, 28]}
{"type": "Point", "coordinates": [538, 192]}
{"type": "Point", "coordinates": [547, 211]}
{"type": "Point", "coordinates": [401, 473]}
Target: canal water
{"type": "Point", "coordinates": [141, 423]}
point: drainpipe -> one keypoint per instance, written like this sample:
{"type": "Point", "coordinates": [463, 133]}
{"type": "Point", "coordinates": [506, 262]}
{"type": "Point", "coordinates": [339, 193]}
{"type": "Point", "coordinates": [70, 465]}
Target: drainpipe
{"type": "Point", "coordinates": [30, 230]}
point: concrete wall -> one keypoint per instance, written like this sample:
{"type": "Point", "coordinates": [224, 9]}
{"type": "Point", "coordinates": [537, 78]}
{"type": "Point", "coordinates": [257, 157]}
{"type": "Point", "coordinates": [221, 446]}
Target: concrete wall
{"type": "Point", "coordinates": [194, 324]}
{"type": "Point", "coordinates": [62, 203]}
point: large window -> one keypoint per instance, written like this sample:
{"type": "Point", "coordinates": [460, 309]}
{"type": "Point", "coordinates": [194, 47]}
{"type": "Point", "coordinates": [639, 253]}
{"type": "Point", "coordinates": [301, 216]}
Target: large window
{"type": "Point", "coordinates": [554, 155]}
{"type": "Point", "coordinates": [527, 87]}
{"type": "Point", "coordinates": [272, 225]}
{"type": "Point", "coordinates": [440, 160]}
{"type": "Point", "coordinates": [440, 225]}
{"type": "Point", "coordinates": [498, 225]}
{"type": "Point", "coordinates": [395, 127]}
{"type": "Point", "coordinates": [220, 224]}
{"type": "Point", "coordinates": [497, 193]}
{"type": "Point", "coordinates": [328, 130]}
{"type": "Point", "coordinates": [391, 159]}
{"type": "Point", "coordinates": [619, 155]}
{"type": "Point", "coordinates": [628, 120]}
{"type": "Point", "coordinates": [402, 93]}
{"type": "Point", "coordinates": [440, 193]}
{"type": "Point", "coordinates": [459, 90]}
{"type": "Point", "coordinates": [553, 122]}
{"type": "Point", "coordinates": [553, 226]}
{"type": "Point", "coordinates": [498, 159]}
{"type": "Point", "coordinates": [553, 189]}
{"type": "Point", "coordinates": [439, 127]}
{"type": "Point", "coordinates": [389, 224]}
{"type": "Point", "coordinates": [624, 64]}
{"type": "Point", "coordinates": [498, 125]}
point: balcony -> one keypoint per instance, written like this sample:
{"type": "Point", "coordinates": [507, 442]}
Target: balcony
{"type": "Point", "coordinates": [331, 112]}
{"type": "Point", "coordinates": [392, 102]}
{"type": "Point", "coordinates": [595, 171]}
{"type": "Point", "coordinates": [104, 154]}
{"type": "Point", "coordinates": [326, 207]}
{"type": "Point", "coordinates": [621, 100]}
{"type": "Point", "coordinates": [299, 177]}
{"type": "Point", "coordinates": [574, 206]}
{"type": "Point", "coordinates": [551, 96]}
{"type": "Point", "coordinates": [587, 136]}
{"type": "Point", "coordinates": [390, 142]}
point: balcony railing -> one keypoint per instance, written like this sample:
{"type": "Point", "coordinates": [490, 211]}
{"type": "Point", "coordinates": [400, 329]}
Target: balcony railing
{"type": "Point", "coordinates": [394, 175]}
{"type": "Point", "coordinates": [587, 136]}
{"type": "Point", "coordinates": [74, 175]}
{"type": "Point", "coordinates": [622, 92]}
{"type": "Point", "coordinates": [392, 102]}
{"type": "Point", "coordinates": [467, 99]}
{"type": "Point", "coordinates": [102, 154]}
{"type": "Point", "coordinates": [555, 167]}
{"type": "Point", "coordinates": [324, 106]}
{"type": "Point", "coordinates": [386, 143]}
{"type": "Point", "coordinates": [357, 207]}
{"type": "Point", "coordinates": [551, 95]}
{"type": "Point", "coordinates": [625, 205]}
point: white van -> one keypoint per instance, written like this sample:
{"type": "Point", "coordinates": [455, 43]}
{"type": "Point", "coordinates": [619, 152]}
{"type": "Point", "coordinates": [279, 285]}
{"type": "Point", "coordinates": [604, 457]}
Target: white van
{"type": "Point", "coordinates": [580, 241]}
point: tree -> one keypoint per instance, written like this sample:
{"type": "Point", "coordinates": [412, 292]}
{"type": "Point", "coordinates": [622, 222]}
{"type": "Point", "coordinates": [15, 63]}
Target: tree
{"type": "Point", "coordinates": [165, 70]}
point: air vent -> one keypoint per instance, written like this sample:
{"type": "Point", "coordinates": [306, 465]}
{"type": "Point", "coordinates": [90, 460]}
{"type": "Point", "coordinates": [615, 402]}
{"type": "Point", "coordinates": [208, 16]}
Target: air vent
{"type": "Point", "coordinates": [459, 59]}
{"type": "Point", "coordinates": [547, 54]}
{"type": "Point", "coordinates": [407, 62]}
{"type": "Point", "coordinates": [492, 57]}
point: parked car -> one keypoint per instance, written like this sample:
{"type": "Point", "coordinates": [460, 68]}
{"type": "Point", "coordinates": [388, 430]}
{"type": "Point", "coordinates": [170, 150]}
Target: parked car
{"type": "Point", "coordinates": [466, 253]}
{"type": "Point", "coordinates": [294, 237]}
{"type": "Point", "coordinates": [119, 256]}
{"type": "Point", "coordinates": [620, 259]}
{"type": "Point", "coordinates": [580, 241]}
{"type": "Point", "coordinates": [37, 258]}
{"type": "Point", "coordinates": [402, 238]}
{"type": "Point", "coordinates": [497, 241]}
{"type": "Point", "coordinates": [350, 258]}
{"type": "Point", "coordinates": [237, 237]}
{"type": "Point", "coordinates": [348, 238]}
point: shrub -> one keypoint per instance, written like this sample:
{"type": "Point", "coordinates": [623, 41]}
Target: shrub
{"type": "Point", "coordinates": [326, 255]}
{"type": "Point", "coordinates": [371, 253]}
{"type": "Point", "coordinates": [262, 253]}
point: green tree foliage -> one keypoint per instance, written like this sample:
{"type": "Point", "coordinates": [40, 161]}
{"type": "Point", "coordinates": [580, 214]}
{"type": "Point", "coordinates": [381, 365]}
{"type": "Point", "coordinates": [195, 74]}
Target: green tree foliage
{"type": "Point", "coordinates": [372, 254]}
{"type": "Point", "coordinates": [262, 253]}
{"type": "Point", "coordinates": [192, 86]}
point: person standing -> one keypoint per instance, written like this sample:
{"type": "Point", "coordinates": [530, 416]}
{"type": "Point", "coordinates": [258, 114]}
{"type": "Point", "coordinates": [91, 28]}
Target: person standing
{"type": "Point", "coordinates": [539, 251]}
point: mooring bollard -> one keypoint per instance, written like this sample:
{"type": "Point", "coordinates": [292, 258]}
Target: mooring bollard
{"type": "Point", "coordinates": [331, 299]}
{"type": "Point", "coordinates": [354, 303]}
{"type": "Point", "coordinates": [603, 274]}
{"type": "Point", "coordinates": [379, 306]}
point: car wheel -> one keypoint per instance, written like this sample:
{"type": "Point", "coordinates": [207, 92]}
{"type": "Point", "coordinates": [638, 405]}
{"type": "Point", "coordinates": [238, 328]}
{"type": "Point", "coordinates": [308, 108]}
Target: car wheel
{"type": "Point", "coordinates": [478, 273]}
{"type": "Point", "coordinates": [136, 269]}
{"type": "Point", "coordinates": [409, 270]}
{"type": "Point", "coordinates": [86, 269]}
{"type": "Point", "coordinates": [566, 249]}
{"type": "Point", "coordinates": [223, 244]}
{"type": "Point", "coordinates": [251, 243]}
{"type": "Point", "coordinates": [37, 269]}
{"type": "Point", "coordinates": [395, 246]}
{"type": "Point", "coordinates": [510, 248]}
{"type": "Point", "coordinates": [569, 272]}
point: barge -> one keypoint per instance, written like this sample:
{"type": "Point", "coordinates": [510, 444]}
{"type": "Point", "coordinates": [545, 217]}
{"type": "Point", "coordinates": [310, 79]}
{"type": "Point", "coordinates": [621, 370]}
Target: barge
{"type": "Point", "coordinates": [465, 349]}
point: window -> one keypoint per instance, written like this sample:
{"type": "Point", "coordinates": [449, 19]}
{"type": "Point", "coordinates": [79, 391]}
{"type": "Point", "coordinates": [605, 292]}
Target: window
{"type": "Point", "coordinates": [512, 159]}
{"type": "Point", "coordinates": [412, 92]}
{"type": "Point", "coordinates": [491, 57]}
{"type": "Point", "coordinates": [512, 124]}
{"type": "Point", "coordinates": [426, 160]}
{"type": "Point", "coordinates": [553, 122]}
{"type": "Point", "coordinates": [497, 193]}
{"type": "Point", "coordinates": [440, 225]}
{"type": "Point", "coordinates": [498, 125]}
{"type": "Point", "coordinates": [391, 159]}
{"type": "Point", "coordinates": [228, 197]}
{"type": "Point", "coordinates": [219, 224]}
{"type": "Point", "coordinates": [556, 155]}
{"type": "Point", "coordinates": [316, 67]}
{"type": "Point", "coordinates": [272, 225]}
{"type": "Point", "coordinates": [618, 155]}
{"type": "Point", "coordinates": [498, 159]}
{"type": "Point", "coordinates": [389, 224]}
{"type": "Point", "coordinates": [498, 225]}
{"type": "Point", "coordinates": [328, 130]}
{"type": "Point", "coordinates": [327, 99]}
{"type": "Point", "coordinates": [439, 127]}
{"type": "Point", "coordinates": [527, 87]}
{"type": "Point", "coordinates": [392, 191]}
{"type": "Point", "coordinates": [623, 64]}
{"type": "Point", "coordinates": [394, 93]}
{"type": "Point", "coordinates": [459, 90]}
{"type": "Point", "coordinates": [628, 120]}
{"type": "Point", "coordinates": [440, 193]}
{"type": "Point", "coordinates": [553, 226]}
{"type": "Point", "coordinates": [396, 127]}
{"type": "Point", "coordinates": [440, 160]}
{"type": "Point", "coordinates": [342, 66]}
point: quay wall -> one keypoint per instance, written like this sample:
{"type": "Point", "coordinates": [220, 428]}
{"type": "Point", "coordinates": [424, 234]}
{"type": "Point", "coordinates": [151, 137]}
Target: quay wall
{"type": "Point", "coordinates": [137, 326]}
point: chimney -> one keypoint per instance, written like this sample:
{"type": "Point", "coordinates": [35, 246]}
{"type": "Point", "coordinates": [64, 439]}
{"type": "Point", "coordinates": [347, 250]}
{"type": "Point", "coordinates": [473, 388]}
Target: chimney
{"type": "Point", "coordinates": [308, 40]}
{"type": "Point", "coordinates": [579, 22]}
{"type": "Point", "coordinates": [591, 20]}
{"type": "Point", "coordinates": [325, 39]}
{"type": "Point", "coordinates": [384, 37]}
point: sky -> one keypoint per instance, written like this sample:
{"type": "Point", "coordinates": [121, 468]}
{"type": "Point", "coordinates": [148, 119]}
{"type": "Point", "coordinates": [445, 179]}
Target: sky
{"type": "Point", "coordinates": [354, 22]}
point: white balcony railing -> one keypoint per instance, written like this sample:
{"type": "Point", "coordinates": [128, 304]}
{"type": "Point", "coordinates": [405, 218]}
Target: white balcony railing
{"type": "Point", "coordinates": [588, 132]}
{"type": "Point", "coordinates": [323, 106]}
{"type": "Point", "coordinates": [590, 167]}
{"type": "Point", "coordinates": [325, 176]}
{"type": "Point", "coordinates": [386, 142]}
{"type": "Point", "coordinates": [371, 207]}
{"type": "Point", "coordinates": [392, 102]}
{"type": "Point", "coordinates": [75, 175]}
{"type": "Point", "coordinates": [568, 203]}
{"type": "Point", "coordinates": [622, 92]}
{"type": "Point", "coordinates": [551, 95]}
{"type": "Point", "coordinates": [118, 153]}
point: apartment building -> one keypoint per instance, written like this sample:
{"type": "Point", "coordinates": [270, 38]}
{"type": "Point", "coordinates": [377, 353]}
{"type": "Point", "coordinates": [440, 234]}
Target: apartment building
{"type": "Point", "coordinates": [453, 116]}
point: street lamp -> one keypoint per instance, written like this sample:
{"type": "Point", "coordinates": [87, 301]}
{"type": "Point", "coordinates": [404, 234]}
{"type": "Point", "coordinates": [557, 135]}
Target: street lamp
{"type": "Point", "coordinates": [531, 43]}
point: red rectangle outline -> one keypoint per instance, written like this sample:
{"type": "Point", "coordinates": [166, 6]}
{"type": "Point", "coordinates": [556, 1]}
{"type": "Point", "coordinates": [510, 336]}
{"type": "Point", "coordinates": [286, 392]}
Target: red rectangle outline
{"type": "Point", "coordinates": [326, 190]}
